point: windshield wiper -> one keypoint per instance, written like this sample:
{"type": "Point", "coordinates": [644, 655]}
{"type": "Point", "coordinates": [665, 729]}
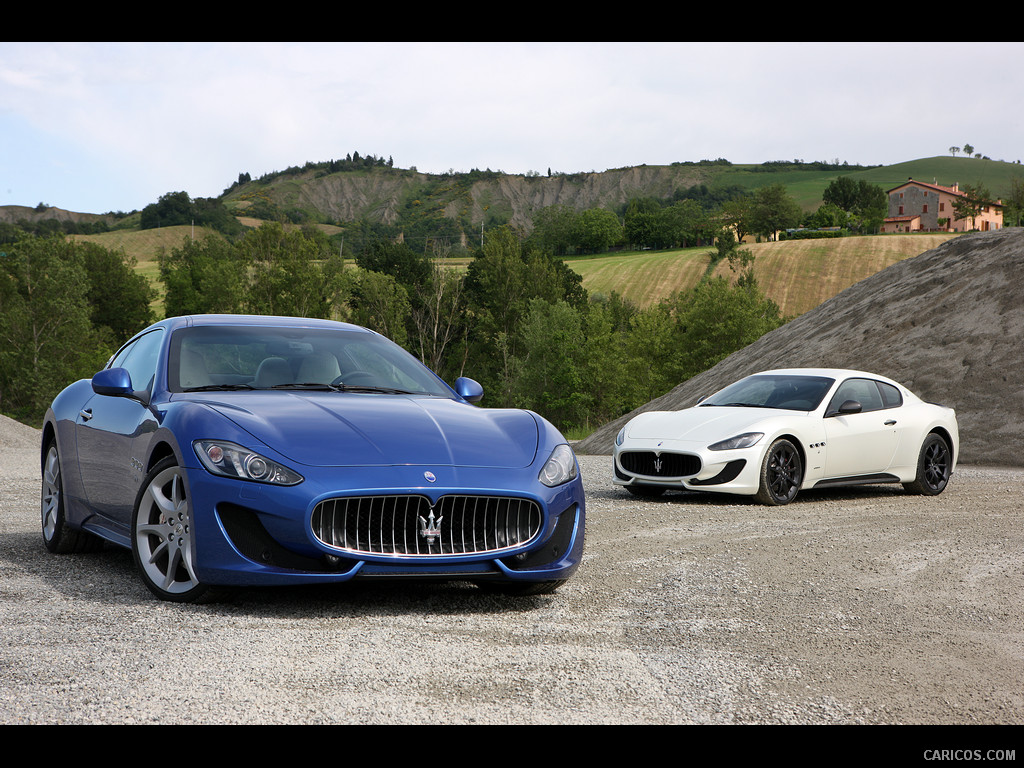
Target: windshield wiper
{"type": "Point", "coordinates": [736, 405]}
{"type": "Point", "coordinates": [370, 388]}
{"type": "Point", "coordinates": [311, 385]}
{"type": "Point", "coordinates": [217, 388]}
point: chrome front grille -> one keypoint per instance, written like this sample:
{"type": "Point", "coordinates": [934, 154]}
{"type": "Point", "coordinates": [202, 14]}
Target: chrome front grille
{"type": "Point", "coordinates": [409, 526]}
{"type": "Point", "coordinates": [660, 464]}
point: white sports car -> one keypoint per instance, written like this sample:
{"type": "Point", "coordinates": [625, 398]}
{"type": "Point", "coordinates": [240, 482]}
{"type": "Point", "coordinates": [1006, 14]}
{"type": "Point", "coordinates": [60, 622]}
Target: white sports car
{"type": "Point", "coordinates": [774, 433]}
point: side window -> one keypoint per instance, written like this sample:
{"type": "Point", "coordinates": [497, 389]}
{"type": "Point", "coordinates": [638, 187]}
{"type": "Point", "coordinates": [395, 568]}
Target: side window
{"type": "Point", "coordinates": [864, 391]}
{"type": "Point", "coordinates": [891, 396]}
{"type": "Point", "coordinates": [140, 358]}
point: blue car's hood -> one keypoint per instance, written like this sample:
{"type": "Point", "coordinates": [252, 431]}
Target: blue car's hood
{"type": "Point", "coordinates": [329, 429]}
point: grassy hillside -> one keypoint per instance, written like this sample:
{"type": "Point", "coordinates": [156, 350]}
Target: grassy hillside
{"type": "Point", "coordinates": [798, 274]}
{"type": "Point", "coordinates": [807, 185]}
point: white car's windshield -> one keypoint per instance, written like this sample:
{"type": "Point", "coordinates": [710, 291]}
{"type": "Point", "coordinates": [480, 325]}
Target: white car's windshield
{"type": "Point", "coordinates": [789, 392]}
{"type": "Point", "coordinates": [254, 357]}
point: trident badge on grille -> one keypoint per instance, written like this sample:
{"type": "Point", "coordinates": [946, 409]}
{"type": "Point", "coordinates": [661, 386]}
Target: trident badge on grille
{"type": "Point", "coordinates": [430, 529]}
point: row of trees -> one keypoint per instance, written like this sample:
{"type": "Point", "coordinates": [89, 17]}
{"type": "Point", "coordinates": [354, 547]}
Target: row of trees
{"type": "Point", "coordinates": [517, 318]}
{"type": "Point", "coordinates": [64, 308]}
{"type": "Point", "coordinates": [696, 216]}
{"type": "Point", "coordinates": [176, 208]}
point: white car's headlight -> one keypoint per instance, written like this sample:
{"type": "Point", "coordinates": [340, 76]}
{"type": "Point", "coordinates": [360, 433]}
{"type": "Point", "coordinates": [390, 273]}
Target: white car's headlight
{"type": "Point", "coordinates": [232, 460]}
{"type": "Point", "coordinates": [745, 440]}
{"type": "Point", "coordinates": [559, 468]}
{"type": "Point", "coordinates": [621, 436]}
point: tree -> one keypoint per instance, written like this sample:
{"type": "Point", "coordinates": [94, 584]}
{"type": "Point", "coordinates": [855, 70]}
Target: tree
{"type": "Point", "coordinates": [685, 223]}
{"type": "Point", "coordinates": [737, 214]}
{"type": "Point", "coordinates": [969, 203]}
{"type": "Point", "coordinates": [203, 276]}
{"type": "Point", "coordinates": [954, 150]}
{"type": "Point", "coordinates": [1015, 202]}
{"type": "Point", "coordinates": [864, 203]}
{"type": "Point", "coordinates": [640, 223]}
{"type": "Point", "coordinates": [381, 303]}
{"type": "Point", "coordinates": [119, 297]}
{"type": "Point", "coordinates": [291, 273]}
{"type": "Point", "coordinates": [47, 339]}
{"type": "Point", "coordinates": [549, 373]}
{"type": "Point", "coordinates": [553, 228]}
{"type": "Point", "coordinates": [595, 230]}
{"type": "Point", "coordinates": [500, 282]}
{"type": "Point", "coordinates": [176, 208]}
{"type": "Point", "coordinates": [396, 259]}
{"type": "Point", "coordinates": [438, 316]}
{"type": "Point", "coordinates": [773, 210]}
{"type": "Point", "coordinates": [968, 149]}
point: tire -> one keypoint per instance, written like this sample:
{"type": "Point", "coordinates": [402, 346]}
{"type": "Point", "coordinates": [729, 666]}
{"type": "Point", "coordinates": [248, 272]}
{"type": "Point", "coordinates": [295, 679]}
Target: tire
{"type": "Point", "coordinates": [645, 491]}
{"type": "Point", "coordinates": [521, 588]}
{"type": "Point", "coordinates": [781, 474]}
{"type": "Point", "coordinates": [934, 466]}
{"type": "Point", "coordinates": [163, 546]}
{"type": "Point", "coordinates": [58, 536]}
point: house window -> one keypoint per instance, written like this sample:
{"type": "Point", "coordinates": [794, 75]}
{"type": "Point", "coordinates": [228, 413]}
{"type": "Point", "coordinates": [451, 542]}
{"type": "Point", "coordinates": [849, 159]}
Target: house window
{"type": "Point", "coordinates": [925, 208]}
{"type": "Point", "coordinates": [942, 206]}
{"type": "Point", "coordinates": [901, 210]}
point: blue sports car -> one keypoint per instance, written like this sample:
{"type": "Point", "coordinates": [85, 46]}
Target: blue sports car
{"type": "Point", "coordinates": [229, 450]}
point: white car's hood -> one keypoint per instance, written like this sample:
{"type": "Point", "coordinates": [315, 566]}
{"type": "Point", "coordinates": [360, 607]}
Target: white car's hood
{"type": "Point", "coordinates": [706, 424]}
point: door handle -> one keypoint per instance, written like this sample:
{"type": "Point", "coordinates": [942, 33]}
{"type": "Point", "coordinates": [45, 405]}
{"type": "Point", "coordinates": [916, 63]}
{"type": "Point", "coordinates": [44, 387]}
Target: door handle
{"type": "Point", "coordinates": [85, 413]}
{"type": "Point", "coordinates": [890, 422]}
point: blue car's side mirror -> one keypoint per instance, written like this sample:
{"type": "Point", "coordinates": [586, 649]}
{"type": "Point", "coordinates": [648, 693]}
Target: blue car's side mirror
{"type": "Point", "coordinates": [468, 389]}
{"type": "Point", "coordinates": [113, 381]}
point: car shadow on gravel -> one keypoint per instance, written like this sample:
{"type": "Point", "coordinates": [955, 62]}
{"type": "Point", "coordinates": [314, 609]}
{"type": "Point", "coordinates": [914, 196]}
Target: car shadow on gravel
{"type": "Point", "coordinates": [109, 576]}
{"type": "Point", "coordinates": [811, 496]}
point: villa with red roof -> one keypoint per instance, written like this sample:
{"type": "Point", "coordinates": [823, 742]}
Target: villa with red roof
{"type": "Point", "coordinates": [915, 206]}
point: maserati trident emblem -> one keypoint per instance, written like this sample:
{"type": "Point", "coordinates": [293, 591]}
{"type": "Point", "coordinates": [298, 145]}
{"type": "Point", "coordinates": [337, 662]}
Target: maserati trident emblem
{"type": "Point", "coordinates": [430, 529]}
{"type": "Point", "coordinates": [429, 476]}
{"type": "Point", "coordinates": [657, 465]}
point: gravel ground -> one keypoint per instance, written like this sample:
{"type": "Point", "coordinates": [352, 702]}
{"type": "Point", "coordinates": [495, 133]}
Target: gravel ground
{"type": "Point", "coordinates": [863, 606]}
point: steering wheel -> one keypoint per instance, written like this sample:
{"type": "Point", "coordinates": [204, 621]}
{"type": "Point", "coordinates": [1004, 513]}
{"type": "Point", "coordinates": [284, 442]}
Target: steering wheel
{"type": "Point", "coordinates": [363, 377]}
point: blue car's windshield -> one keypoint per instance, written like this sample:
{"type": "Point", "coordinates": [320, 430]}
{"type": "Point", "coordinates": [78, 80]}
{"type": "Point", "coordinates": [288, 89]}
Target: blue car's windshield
{"type": "Point", "coordinates": [219, 357]}
{"type": "Point", "coordinates": [790, 392]}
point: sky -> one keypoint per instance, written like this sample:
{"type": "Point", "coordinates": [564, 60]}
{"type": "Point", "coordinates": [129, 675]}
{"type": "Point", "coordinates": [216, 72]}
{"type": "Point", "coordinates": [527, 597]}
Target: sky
{"type": "Point", "coordinates": [97, 127]}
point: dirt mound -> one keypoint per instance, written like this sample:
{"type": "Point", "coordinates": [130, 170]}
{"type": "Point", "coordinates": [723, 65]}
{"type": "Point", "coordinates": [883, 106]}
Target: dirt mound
{"type": "Point", "coordinates": [948, 324]}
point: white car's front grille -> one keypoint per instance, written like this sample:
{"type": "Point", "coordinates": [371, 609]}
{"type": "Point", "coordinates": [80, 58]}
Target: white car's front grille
{"type": "Point", "coordinates": [654, 464]}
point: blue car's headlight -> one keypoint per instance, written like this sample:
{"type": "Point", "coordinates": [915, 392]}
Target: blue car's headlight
{"type": "Point", "coordinates": [232, 460]}
{"type": "Point", "coordinates": [559, 468]}
{"type": "Point", "coordinates": [745, 440]}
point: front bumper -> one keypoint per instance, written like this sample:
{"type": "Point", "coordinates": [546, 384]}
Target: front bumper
{"type": "Point", "coordinates": [686, 465]}
{"type": "Point", "coordinates": [252, 534]}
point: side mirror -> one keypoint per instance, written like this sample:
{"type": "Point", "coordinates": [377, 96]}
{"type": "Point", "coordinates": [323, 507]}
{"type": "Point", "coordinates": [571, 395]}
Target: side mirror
{"type": "Point", "coordinates": [468, 389]}
{"type": "Point", "coordinates": [114, 382]}
{"type": "Point", "coordinates": [850, 406]}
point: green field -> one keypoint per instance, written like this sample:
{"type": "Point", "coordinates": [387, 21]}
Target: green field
{"type": "Point", "coordinates": [798, 274]}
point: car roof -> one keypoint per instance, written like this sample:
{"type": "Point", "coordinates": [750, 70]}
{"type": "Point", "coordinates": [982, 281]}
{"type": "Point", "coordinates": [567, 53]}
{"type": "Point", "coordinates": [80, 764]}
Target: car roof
{"type": "Point", "coordinates": [262, 321]}
{"type": "Point", "coordinates": [832, 373]}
